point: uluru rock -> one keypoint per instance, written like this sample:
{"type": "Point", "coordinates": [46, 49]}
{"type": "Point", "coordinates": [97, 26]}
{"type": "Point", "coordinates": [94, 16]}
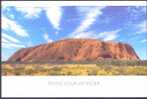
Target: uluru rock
{"type": "Point", "coordinates": [75, 50]}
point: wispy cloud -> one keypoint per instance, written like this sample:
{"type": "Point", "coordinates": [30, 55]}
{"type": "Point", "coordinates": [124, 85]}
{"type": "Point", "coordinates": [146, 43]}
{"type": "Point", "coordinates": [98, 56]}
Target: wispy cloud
{"type": "Point", "coordinates": [108, 35]}
{"type": "Point", "coordinates": [91, 15]}
{"type": "Point", "coordinates": [142, 27]}
{"type": "Point", "coordinates": [57, 32]}
{"type": "Point", "coordinates": [135, 12]}
{"type": "Point", "coordinates": [11, 26]}
{"type": "Point", "coordinates": [29, 12]}
{"type": "Point", "coordinates": [90, 18]}
{"type": "Point", "coordinates": [144, 41]}
{"type": "Point", "coordinates": [10, 42]}
{"type": "Point", "coordinates": [8, 24]}
{"type": "Point", "coordinates": [105, 36]}
{"type": "Point", "coordinates": [12, 45]}
{"type": "Point", "coordinates": [9, 38]}
{"type": "Point", "coordinates": [54, 14]}
{"type": "Point", "coordinates": [136, 9]}
{"type": "Point", "coordinates": [4, 40]}
{"type": "Point", "coordinates": [8, 10]}
{"type": "Point", "coordinates": [46, 37]}
{"type": "Point", "coordinates": [89, 34]}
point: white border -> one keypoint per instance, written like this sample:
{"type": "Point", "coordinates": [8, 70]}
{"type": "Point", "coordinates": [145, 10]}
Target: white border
{"type": "Point", "coordinates": [72, 3]}
{"type": "Point", "coordinates": [73, 86]}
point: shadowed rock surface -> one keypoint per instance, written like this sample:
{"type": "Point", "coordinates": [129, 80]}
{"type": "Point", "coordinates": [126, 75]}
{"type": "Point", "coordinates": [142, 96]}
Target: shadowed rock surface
{"type": "Point", "coordinates": [75, 50]}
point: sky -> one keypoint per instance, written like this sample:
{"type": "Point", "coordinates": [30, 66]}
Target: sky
{"type": "Point", "coordinates": [24, 27]}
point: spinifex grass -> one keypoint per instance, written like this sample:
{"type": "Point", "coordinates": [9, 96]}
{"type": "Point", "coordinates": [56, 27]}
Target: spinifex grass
{"type": "Point", "coordinates": [71, 69]}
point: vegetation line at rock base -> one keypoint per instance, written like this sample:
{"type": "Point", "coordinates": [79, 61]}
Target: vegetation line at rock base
{"type": "Point", "coordinates": [113, 62]}
{"type": "Point", "coordinates": [70, 69]}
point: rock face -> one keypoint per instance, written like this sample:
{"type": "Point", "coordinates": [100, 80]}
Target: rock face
{"type": "Point", "coordinates": [75, 50]}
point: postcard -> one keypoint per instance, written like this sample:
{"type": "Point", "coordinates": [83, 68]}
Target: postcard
{"type": "Point", "coordinates": [66, 47]}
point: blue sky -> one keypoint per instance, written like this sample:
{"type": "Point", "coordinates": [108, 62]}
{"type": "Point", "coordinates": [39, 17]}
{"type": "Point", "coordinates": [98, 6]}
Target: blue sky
{"type": "Point", "coordinates": [29, 26]}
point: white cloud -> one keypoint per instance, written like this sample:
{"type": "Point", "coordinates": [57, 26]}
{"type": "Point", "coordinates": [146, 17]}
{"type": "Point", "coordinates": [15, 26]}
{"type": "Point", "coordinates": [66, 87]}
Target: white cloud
{"type": "Point", "coordinates": [4, 40]}
{"type": "Point", "coordinates": [144, 40]}
{"type": "Point", "coordinates": [108, 35]}
{"type": "Point", "coordinates": [9, 38]}
{"type": "Point", "coordinates": [142, 26]}
{"type": "Point", "coordinates": [29, 12]}
{"type": "Point", "coordinates": [29, 44]}
{"type": "Point", "coordinates": [105, 36]}
{"type": "Point", "coordinates": [136, 12]}
{"type": "Point", "coordinates": [136, 9]}
{"type": "Point", "coordinates": [89, 34]}
{"type": "Point", "coordinates": [57, 32]}
{"type": "Point", "coordinates": [12, 16]}
{"type": "Point", "coordinates": [8, 24]}
{"type": "Point", "coordinates": [89, 19]}
{"type": "Point", "coordinates": [84, 10]}
{"type": "Point", "coordinates": [54, 14]}
{"type": "Point", "coordinates": [46, 37]}
{"type": "Point", "coordinates": [12, 45]}
{"type": "Point", "coordinates": [10, 42]}
{"type": "Point", "coordinates": [8, 10]}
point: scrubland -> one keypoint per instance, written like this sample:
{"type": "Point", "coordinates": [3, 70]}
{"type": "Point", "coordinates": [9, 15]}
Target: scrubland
{"type": "Point", "coordinates": [45, 69]}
